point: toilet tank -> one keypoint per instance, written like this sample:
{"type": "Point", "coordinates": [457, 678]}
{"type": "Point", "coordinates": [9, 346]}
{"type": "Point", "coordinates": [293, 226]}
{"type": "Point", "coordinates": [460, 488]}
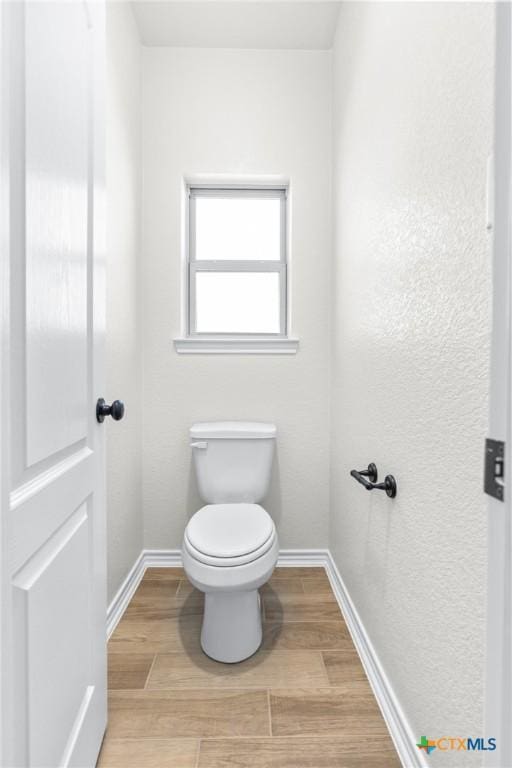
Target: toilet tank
{"type": "Point", "coordinates": [233, 460]}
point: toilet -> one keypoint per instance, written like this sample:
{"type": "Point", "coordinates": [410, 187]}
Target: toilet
{"type": "Point", "coordinates": [230, 545]}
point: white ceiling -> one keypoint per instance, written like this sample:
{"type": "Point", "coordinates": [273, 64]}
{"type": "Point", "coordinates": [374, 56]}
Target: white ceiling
{"type": "Point", "coordinates": [237, 23]}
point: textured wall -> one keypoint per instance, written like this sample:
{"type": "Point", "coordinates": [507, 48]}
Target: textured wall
{"type": "Point", "coordinates": [124, 438]}
{"type": "Point", "coordinates": [244, 113]}
{"type": "Point", "coordinates": [410, 352]}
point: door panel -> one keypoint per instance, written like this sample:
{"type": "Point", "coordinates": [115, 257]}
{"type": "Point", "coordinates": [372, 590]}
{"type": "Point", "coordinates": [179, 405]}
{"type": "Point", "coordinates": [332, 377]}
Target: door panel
{"type": "Point", "coordinates": [52, 614]}
{"type": "Point", "coordinates": [53, 570]}
{"type": "Point", "coordinates": [57, 148]}
{"type": "Point", "coordinates": [30, 529]}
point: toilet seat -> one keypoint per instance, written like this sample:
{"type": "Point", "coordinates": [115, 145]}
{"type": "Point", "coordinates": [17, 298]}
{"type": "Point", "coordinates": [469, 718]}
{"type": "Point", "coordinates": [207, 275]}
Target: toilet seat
{"type": "Point", "coordinates": [224, 562]}
{"type": "Point", "coordinates": [225, 535]}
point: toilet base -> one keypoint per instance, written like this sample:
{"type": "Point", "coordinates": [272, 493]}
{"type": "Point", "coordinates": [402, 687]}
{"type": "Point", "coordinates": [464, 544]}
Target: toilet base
{"type": "Point", "coordinates": [231, 629]}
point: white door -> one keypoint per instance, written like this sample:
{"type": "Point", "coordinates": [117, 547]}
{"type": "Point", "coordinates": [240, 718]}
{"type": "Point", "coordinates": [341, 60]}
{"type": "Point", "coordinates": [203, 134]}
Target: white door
{"type": "Point", "coordinates": [53, 533]}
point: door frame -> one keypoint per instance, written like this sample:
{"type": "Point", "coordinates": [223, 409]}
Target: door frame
{"type": "Point", "coordinates": [498, 678]}
{"type": "Point", "coordinates": [5, 592]}
{"type": "Point", "coordinates": [4, 368]}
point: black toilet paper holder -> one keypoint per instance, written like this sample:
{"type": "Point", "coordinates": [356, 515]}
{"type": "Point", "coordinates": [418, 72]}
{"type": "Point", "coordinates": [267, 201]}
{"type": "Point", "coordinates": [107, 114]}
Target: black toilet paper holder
{"type": "Point", "coordinates": [371, 484]}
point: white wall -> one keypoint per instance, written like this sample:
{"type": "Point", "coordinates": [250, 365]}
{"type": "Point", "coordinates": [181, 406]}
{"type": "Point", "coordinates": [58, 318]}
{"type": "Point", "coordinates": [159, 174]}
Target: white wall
{"type": "Point", "coordinates": [123, 178]}
{"type": "Point", "coordinates": [244, 113]}
{"type": "Point", "coordinates": [410, 354]}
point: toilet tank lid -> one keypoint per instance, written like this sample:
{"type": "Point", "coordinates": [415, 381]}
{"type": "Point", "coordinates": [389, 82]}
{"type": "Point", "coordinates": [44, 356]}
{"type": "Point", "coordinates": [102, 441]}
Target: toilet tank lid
{"type": "Point", "coordinates": [240, 430]}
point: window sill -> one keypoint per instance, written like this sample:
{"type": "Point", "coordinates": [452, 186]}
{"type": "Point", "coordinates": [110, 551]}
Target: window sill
{"type": "Point", "coordinates": [244, 346]}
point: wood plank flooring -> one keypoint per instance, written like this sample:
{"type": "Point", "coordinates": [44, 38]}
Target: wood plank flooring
{"type": "Point", "coordinates": [302, 701]}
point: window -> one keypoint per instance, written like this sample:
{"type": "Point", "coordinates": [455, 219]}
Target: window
{"type": "Point", "coordinates": [237, 266]}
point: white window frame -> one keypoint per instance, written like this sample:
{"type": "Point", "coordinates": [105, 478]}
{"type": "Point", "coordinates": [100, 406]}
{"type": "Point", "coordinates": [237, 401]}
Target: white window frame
{"type": "Point", "coordinates": [193, 341]}
{"type": "Point", "coordinates": [244, 265]}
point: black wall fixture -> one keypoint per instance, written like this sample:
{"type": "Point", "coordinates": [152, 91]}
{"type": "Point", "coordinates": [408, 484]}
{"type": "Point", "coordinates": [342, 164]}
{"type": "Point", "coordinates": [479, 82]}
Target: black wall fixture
{"type": "Point", "coordinates": [389, 484]}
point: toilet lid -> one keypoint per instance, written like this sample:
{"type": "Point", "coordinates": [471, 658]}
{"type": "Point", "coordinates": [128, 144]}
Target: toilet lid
{"type": "Point", "coordinates": [229, 530]}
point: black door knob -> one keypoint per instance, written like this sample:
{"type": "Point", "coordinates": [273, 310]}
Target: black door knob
{"type": "Point", "coordinates": [116, 410]}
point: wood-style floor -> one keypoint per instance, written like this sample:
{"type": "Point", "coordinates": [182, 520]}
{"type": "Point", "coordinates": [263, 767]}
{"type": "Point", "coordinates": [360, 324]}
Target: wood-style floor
{"type": "Point", "coordinates": [302, 701]}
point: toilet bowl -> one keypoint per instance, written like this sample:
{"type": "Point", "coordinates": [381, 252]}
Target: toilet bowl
{"type": "Point", "coordinates": [230, 546]}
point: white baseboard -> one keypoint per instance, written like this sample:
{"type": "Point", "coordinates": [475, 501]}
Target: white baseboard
{"type": "Point", "coordinates": [302, 558]}
{"type": "Point", "coordinates": [124, 594]}
{"type": "Point", "coordinates": [162, 558]}
{"type": "Point", "coordinates": [403, 737]}
{"type": "Point", "coordinates": [148, 558]}
{"type": "Point", "coordinates": [396, 721]}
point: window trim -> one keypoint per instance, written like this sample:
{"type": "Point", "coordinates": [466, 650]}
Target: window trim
{"type": "Point", "coordinates": [193, 265]}
{"type": "Point", "coordinates": [202, 345]}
